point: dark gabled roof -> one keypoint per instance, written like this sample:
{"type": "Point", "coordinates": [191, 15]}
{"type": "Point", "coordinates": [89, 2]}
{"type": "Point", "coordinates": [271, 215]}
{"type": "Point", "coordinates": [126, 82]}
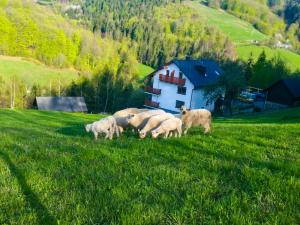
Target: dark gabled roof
{"type": "Point", "coordinates": [65, 104]}
{"type": "Point", "coordinates": [293, 84]}
{"type": "Point", "coordinates": [190, 68]}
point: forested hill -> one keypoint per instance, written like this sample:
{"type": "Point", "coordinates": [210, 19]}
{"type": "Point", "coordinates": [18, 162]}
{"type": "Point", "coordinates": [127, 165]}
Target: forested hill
{"type": "Point", "coordinates": [163, 29]}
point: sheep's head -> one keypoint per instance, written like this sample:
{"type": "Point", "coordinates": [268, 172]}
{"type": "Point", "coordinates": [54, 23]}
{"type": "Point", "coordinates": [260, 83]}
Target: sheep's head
{"type": "Point", "coordinates": [183, 110]}
{"type": "Point", "coordinates": [155, 133]}
{"type": "Point", "coordinates": [88, 127]}
{"type": "Point", "coordinates": [142, 134]}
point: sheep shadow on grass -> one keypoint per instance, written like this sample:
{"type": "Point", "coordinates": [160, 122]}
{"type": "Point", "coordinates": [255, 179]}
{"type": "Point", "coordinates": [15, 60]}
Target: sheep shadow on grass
{"type": "Point", "coordinates": [76, 130]}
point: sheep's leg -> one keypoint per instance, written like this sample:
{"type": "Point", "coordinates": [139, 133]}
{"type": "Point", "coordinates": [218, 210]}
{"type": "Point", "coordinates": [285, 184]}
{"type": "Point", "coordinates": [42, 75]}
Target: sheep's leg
{"type": "Point", "coordinates": [121, 130]}
{"type": "Point", "coordinates": [117, 130]}
{"type": "Point", "coordinates": [166, 134]}
{"type": "Point", "coordinates": [187, 127]}
{"type": "Point", "coordinates": [96, 135]}
{"type": "Point", "coordinates": [111, 134]}
{"type": "Point", "coordinates": [206, 128]}
{"type": "Point", "coordinates": [107, 134]}
{"type": "Point", "coordinates": [175, 133]}
{"type": "Point", "coordinates": [179, 131]}
{"type": "Point", "coordinates": [171, 134]}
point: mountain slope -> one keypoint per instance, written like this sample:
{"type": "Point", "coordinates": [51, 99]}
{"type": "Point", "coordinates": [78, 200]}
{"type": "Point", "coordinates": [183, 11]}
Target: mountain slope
{"type": "Point", "coordinates": [243, 34]}
{"type": "Point", "coordinates": [239, 31]}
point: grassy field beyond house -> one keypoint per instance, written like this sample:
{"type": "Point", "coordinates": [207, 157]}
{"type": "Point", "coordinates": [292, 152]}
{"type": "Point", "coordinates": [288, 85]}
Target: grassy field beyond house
{"type": "Point", "coordinates": [239, 31]}
{"type": "Point", "coordinates": [291, 59]}
{"type": "Point", "coordinates": [144, 70]}
{"type": "Point", "coordinates": [245, 172]}
{"type": "Point", "coordinates": [31, 72]}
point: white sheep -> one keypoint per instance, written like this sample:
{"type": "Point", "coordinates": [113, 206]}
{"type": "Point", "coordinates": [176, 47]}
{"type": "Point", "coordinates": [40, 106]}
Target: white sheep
{"type": "Point", "coordinates": [107, 125]}
{"type": "Point", "coordinates": [167, 126]}
{"type": "Point", "coordinates": [129, 111]}
{"type": "Point", "coordinates": [138, 121]}
{"type": "Point", "coordinates": [196, 117]}
{"type": "Point", "coordinates": [154, 122]}
{"type": "Point", "coordinates": [122, 123]}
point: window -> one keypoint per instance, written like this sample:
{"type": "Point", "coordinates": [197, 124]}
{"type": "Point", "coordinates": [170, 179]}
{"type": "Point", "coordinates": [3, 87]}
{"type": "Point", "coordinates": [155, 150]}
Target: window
{"type": "Point", "coordinates": [181, 90]}
{"type": "Point", "coordinates": [180, 75]}
{"type": "Point", "coordinates": [168, 72]}
{"type": "Point", "coordinates": [201, 70]}
{"type": "Point", "coordinates": [179, 104]}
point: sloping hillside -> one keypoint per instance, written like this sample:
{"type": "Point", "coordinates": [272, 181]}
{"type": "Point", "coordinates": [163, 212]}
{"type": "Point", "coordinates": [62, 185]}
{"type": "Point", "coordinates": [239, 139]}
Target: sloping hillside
{"type": "Point", "coordinates": [292, 59]}
{"type": "Point", "coordinates": [30, 30]}
{"type": "Point", "coordinates": [245, 172]}
{"type": "Point", "coordinates": [243, 34]}
{"type": "Point", "coordinates": [239, 31]}
{"type": "Point", "coordinates": [32, 72]}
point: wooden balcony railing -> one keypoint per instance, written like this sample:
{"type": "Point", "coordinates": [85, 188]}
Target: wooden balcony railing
{"type": "Point", "coordinates": [151, 103]}
{"type": "Point", "coordinates": [172, 80]}
{"type": "Point", "coordinates": [152, 90]}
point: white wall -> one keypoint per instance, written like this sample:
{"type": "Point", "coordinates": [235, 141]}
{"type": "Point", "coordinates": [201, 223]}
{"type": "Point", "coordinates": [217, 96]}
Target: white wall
{"type": "Point", "coordinates": [199, 102]}
{"type": "Point", "coordinates": [169, 95]}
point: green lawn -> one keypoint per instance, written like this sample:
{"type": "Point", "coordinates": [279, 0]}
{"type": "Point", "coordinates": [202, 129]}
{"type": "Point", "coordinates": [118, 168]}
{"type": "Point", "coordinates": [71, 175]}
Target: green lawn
{"type": "Point", "coordinates": [33, 72]}
{"type": "Point", "coordinates": [292, 59]}
{"type": "Point", "coordinates": [144, 70]}
{"type": "Point", "coordinates": [239, 31]}
{"type": "Point", "coordinates": [245, 172]}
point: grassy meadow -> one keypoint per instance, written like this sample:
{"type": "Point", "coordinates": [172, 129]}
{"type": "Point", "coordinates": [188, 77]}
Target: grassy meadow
{"type": "Point", "coordinates": [292, 59]}
{"type": "Point", "coordinates": [239, 31]}
{"type": "Point", "coordinates": [245, 172]}
{"type": "Point", "coordinates": [33, 72]}
{"type": "Point", "coordinates": [144, 70]}
{"type": "Point", "coordinates": [243, 34]}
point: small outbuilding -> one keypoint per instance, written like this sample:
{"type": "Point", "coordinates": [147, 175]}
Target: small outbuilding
{"type": "Point", "coordinates": [285, 92]}
{"type": "Point", "coordinates": [64, 104]}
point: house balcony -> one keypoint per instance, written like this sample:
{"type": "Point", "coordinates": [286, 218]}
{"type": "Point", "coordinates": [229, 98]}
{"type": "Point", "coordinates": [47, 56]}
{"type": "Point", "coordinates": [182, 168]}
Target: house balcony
{"type": "Point", "coordinates": [152, 90]}
{"type": "Point", "coordinates": [172, 80]}
{"type": "Point", "coordinates": [151, 104]}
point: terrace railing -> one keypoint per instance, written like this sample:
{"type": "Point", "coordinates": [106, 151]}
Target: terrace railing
{"type": "Point", "coordinates": [172, 80]}
{"type": "Point", "coordinates": [152, 90]}
{"type": "Point", "coordinates": [151, 103]}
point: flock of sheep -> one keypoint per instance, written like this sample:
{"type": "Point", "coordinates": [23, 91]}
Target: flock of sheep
{"type": "Point", "coordinates": [155, 122]}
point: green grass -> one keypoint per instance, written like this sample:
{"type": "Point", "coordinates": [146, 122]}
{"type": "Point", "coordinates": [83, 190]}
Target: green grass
{"type": "Point", "coordinates": [144, 70]}
{"type": "Point", "coordinates": [32, 72]}
{"type": "Point", "coordinates": [239, 31]}
{"type": "Point", "coordinates": [245, 172]}
{"type": "Point", "coordinates": [292, 59]}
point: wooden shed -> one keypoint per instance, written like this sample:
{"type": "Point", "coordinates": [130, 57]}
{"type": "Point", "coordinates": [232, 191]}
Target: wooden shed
{"type": "Point", "coordinates": [64, 104]}
{"type": "Point", "coordinates": [285, 92]}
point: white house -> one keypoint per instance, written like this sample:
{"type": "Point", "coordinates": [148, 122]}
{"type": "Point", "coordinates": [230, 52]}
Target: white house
{"type": "Point", "coordinates": [181, 82]}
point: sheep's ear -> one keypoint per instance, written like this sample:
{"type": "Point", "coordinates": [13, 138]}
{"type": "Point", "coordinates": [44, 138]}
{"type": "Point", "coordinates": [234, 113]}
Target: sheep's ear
{"type": "Point", "coordinates": [131, 116]}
